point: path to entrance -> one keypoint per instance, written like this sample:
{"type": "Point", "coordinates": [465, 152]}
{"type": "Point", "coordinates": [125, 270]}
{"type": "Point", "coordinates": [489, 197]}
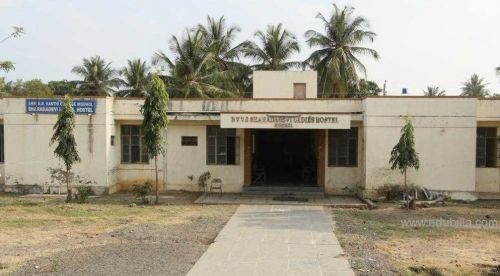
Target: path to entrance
{"type": "Point", "coordinates": [275, 240]}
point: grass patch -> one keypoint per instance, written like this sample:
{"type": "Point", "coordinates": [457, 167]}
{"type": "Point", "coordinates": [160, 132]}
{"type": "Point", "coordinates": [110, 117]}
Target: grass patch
{"type": "Point", "coordinates": [404, 250]}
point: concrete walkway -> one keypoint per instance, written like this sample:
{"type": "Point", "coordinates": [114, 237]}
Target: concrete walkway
{"type": "Point", "coordinates": [275, 240]}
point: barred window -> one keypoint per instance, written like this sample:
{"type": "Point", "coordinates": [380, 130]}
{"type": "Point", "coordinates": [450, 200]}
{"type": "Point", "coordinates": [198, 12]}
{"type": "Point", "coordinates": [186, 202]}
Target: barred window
{"type": "Point", "coordinates": [343, 147]}
{"type": "Point", "coordinates": [2, 148]}
{"type": "Point", "coordinates": [486, 147]}
{"type": "Point", "coordinates": [222, 146]}
{"type": "Point", "coordinates": [133, 149]}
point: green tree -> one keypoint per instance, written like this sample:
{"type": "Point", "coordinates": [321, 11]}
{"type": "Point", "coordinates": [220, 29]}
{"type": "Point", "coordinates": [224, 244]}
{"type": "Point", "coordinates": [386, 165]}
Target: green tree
{"type": "Point", "coordinates": [277, 46]}
{"type": "Point", "coordinates": [404, 155]}
{"type": "Point", "coordinates": [66, 144]}
{"type": "Point", "coordinates": [475, 87]}
{"type": "Point", "coordinates": [218, 39]}
{"type": "Point", "coordinates": [64, 87]}
{"type": "Point", "coordinates": [434, 91]}
{"type": "Point", "coordinates": [155, 121]}
{"type": "Point", "coordinates": [337, 60]}
{"type": "Point", "coordinates": [6, 65]}
{"type": "Point", "coordinates": [191, 72]}
{"type": "Point", "coordinates": [99, 78]}
{"type": "Point", "coordinates": [366, 88]}
{"type": "Point", "coordinates": [136, 79]}
{"type": "Point", "coordinates": [34, 87]}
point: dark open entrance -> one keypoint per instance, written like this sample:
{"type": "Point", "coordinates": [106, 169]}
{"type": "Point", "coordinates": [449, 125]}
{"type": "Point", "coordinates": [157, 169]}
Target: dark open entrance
{"type": "Point", "coordinates": [284, 158]}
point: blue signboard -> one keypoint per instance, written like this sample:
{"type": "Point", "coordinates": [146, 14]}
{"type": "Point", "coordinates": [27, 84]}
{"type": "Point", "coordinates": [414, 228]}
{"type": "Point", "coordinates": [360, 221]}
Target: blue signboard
{"type": "Point", "coordinates": [53, 106]}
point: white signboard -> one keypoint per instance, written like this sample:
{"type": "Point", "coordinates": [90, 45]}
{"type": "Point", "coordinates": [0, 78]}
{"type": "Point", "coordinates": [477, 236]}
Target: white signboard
{"type": "Point", "coordinates": [285, 121]}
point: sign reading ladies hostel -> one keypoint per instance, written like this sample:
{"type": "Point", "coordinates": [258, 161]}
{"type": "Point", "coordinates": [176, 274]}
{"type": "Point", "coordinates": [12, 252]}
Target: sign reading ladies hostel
{"type": "Point", "coordinates": [53, 106]}
{"type": "Point", "coordinates": [285, 121]}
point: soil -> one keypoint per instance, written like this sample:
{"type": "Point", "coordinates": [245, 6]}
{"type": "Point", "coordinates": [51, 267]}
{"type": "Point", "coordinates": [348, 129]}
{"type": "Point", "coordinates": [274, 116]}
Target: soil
{"type": "Point", "coordinates": [168, 240]}
{"type": "Point", "coordinates": [377, 244]}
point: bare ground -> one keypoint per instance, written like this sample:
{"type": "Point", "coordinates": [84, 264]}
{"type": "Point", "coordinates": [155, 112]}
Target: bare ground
{"type": "Point", "coordinates": [377, 243]}
{"type": "Point", "coordinates": [106, 236]}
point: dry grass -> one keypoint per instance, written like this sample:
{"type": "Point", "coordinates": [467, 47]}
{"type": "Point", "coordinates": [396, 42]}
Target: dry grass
{"type": "Point", "coordinates": [380, 236]}
{"type": "Point", "coordinates": [35, 227]}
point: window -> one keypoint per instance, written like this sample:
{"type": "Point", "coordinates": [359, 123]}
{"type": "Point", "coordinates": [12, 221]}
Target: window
{"type": "Point", "coordinates": [299, 90]}
{"type": "Point", "coordinates": [222, 146]}
{"type": "Point", "coordinates": [133, 150]}
{"type": "Point", "coordinates": [189, 140]}
{"type": "Point", "coordinates": [486, 147]}
{"type": "Point", "coordinates": [343, 147]}
{"type": "Point", "coordinates": [2, 148]}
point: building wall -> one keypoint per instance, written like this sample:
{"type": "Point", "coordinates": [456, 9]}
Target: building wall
{"type": "Point", "coordinates": [445, 130]}
{"type": "Point", "coordinates": [488, 115]}
{"type": "Point", "coordinates": [30, 163]}
{"type": "Point", "coordinates": [184, 162]}
{"type": "Point", "coordinates": [340, 178]}
{"type": "Point", "coordinates": [445, 133]}
{"type": "Point", "coordinates": [279, 84]}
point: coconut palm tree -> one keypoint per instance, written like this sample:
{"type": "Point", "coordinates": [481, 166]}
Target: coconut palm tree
{"type": "Point", "coordinates": [277, 46]}
{"type": "Point", "coordinates": [191, 71]}
{"type": "Point", "coordinates": [136, 79]}
{"type": "Point", "coordinates": [337, 60]}
{"type": "Point", "coordinates": [475, 87]}
{"type": "Point", "coordinates": [218, 39]}
{"type": "Point", "coordinates": [98, 77]}
{"type": "Point", "coordinates": [434, 91]}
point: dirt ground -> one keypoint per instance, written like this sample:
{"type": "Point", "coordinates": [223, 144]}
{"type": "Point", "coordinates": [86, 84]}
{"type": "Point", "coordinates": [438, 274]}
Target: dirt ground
{"type": "Point", "coordinates": [377, 242]}
{"type": "Point", "coordinates": [45, 236]}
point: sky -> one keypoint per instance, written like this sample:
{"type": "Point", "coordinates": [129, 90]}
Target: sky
{"type": "Point", "coordinates": [421, 43]}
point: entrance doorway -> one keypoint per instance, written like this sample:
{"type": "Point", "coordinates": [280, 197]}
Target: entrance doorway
{"type": "Point", "coordinates": [284, 158]}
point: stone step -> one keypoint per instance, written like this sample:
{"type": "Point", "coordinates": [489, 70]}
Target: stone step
{"type": "Point", "coordinates": [284, 191]}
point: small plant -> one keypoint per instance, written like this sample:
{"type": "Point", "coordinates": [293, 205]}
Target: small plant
{"type": "Point", "coordinates": [202, 180]}
{"type": "Point", "coordinates": [142, 191]}
{"type": "Point", "coordinates": [83, 193]}
{"type": "Point", "coordinates": [391, 192]}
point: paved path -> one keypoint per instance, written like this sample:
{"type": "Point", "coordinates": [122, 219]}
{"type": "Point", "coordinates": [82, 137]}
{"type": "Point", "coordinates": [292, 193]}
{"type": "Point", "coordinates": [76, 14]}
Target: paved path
{"type": "Point", "coordinates": [275, 240]}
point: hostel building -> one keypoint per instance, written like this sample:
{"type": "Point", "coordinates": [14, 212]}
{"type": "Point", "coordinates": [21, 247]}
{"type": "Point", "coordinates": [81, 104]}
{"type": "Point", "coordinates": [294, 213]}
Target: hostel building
{"type": "Point", "coordinates": [282, 137]}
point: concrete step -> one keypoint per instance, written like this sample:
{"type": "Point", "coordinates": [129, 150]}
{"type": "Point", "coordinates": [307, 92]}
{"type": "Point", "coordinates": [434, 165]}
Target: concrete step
{"type": "Point", "coordinates": [284, 191]}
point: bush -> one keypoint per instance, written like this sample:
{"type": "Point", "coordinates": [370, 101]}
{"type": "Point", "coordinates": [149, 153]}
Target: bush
{"type": "Point", "coordinates": [394, 192]}
{"type": "Point", "coordinates": [202, 180]}
{"type": "Point", "coordinates": [83, 193]}
{"type": "Point", "coordinates": [142, 191]}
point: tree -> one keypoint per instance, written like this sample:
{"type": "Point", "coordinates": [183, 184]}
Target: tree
{"type": "Point", "coordinates": [434, 92]}
{"type": "Point", "coordinates": [99, 78]}
{"type": "Point", "coordinates": [64, 87]}
{"type": "Point", "coordinates": [475, 87]}
{"type": "Point", "coordinates": [218, 39]}
{"type": "Point", "coordinates": [66, 144]}
{"type": "Point", "coordinates": [136, 79]}
{"type": "Point", "coordinates": [34, 87]}
{"type": "Point", "coordinates": [403, 155]}
{"type": "Point", "coordinates": [155, 121]}
{"type": "Point", "coordinates": [191, 72]}
{"type": "Point", "coordinates": [337, 59]}
{"type": "Point", "coordinates": [277, 45]}
{"type": "Point", "coordinates": [366, 88]}
{"type": "Point", "coordinates": [6, 65]}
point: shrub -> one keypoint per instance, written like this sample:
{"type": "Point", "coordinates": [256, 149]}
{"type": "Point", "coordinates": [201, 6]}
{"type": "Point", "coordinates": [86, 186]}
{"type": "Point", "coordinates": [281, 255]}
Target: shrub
{"type": "Point", "coordinates": [83, 193]}
{"type": "Point", "coordinates": [142, 191]}
{"type": "Point", "coordinates": [393, 192]}
{"type": "Point", "coordinates": [202, 180]}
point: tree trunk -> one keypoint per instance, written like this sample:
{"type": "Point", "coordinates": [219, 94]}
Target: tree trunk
{"type": "Point", "coordinates": [69, 196]}
{"type": "Point", "coordinates": [156, 179]}
{"type": "Point", "coordinates": [406, 193]}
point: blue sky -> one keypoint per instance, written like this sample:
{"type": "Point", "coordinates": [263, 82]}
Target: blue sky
{"type": "Point", "coordinates": [421, 43]}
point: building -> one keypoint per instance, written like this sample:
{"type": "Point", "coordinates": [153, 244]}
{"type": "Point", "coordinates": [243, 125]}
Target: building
{"type": "Point", "coordinates": [283, 136]}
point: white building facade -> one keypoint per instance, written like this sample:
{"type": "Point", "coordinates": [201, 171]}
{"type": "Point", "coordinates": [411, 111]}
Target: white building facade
{"type": "Point", "coordinates": [282, 137]}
